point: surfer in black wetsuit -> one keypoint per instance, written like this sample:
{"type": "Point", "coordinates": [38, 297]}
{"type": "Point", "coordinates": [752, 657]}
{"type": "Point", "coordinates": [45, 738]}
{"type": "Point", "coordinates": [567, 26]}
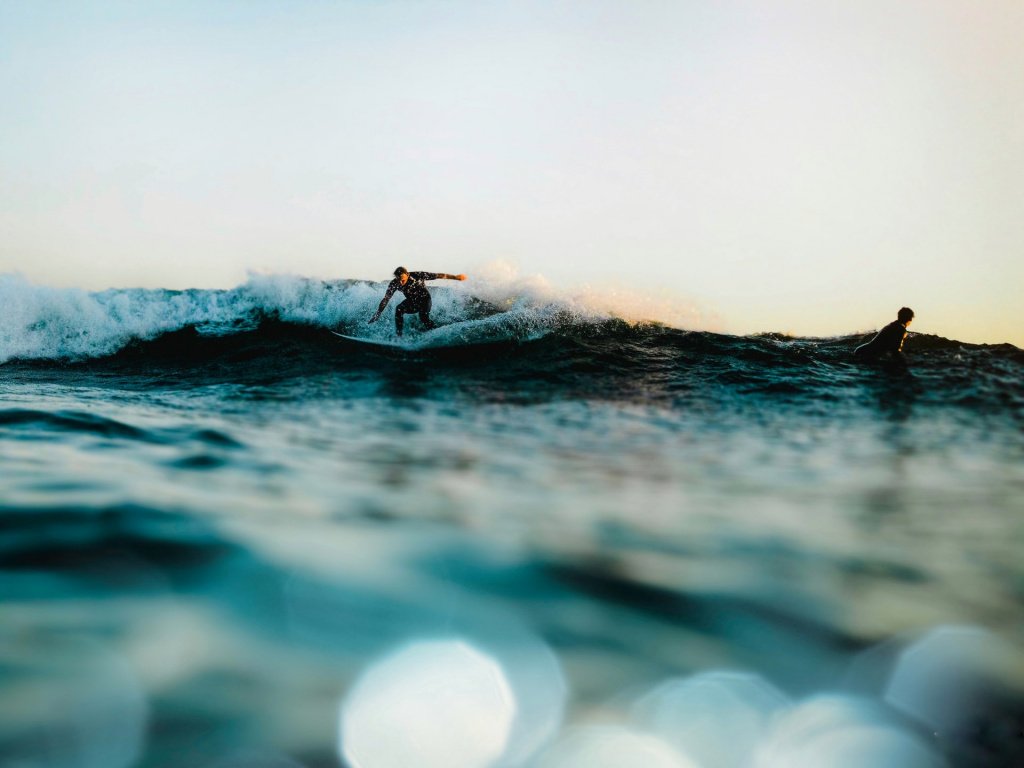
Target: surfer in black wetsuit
{"type": "Point", "coordinates": [417, 297]}
{"type": "Point", "coordinates": [889, 340]}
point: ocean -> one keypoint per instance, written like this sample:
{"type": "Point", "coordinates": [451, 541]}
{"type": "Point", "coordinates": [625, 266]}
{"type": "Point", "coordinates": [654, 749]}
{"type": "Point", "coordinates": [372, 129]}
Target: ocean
{"type": "Point", "coordinates": [548, 534]}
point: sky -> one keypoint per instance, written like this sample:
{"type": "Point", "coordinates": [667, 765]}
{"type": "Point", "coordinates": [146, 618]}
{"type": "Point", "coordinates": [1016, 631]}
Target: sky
{"type": "Point", "coordinates": [798, 166]}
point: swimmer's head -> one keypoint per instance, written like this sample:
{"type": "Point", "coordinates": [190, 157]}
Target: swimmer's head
{"type": "Point", "coordinates": [905, 315]}
{"type": "Point", "coordinates": [403, 275]}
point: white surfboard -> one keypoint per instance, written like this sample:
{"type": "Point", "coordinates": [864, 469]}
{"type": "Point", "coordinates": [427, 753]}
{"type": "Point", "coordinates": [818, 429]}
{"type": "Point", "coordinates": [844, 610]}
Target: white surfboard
{"type": "Point", "coordinates": [466, 333]}
{"type": "Point", "coordinates": [393, 343]}
{"type": "Point", "coordinates": [498, 329]}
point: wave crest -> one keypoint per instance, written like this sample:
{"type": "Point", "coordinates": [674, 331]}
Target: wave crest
{"type": "Point", "coordinates": [51, 324]}
{"type": "Point", "coordinates": [43, 323]}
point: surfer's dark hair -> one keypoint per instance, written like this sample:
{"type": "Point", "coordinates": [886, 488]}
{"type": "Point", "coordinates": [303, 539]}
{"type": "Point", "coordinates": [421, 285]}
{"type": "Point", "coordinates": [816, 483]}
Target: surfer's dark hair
{"type": "Point", "coordinates": [905, 314]}
{"type": "Point", "coordinates": [402, 271]}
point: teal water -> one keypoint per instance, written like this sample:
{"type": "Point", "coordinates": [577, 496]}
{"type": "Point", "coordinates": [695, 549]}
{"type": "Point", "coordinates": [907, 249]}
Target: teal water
{"type": "Point", "coordinates": [217, 548]}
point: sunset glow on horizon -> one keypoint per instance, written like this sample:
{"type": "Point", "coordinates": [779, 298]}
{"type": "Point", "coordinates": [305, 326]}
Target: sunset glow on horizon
{"type": "Point", "coordinates": [793, 167]}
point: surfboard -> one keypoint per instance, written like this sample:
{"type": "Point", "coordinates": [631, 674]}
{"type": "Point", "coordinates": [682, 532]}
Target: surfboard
{"type": "Point", "coordinates": [392, 343]}
{"type": "Point", "coordinates": [452, 335]}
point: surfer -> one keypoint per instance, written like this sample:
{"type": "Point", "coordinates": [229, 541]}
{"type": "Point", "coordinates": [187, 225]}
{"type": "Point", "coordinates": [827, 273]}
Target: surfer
{"type": "Point", "coordinates": [889, 340]}
{"type": "Point", "coordinates": [417, 297]}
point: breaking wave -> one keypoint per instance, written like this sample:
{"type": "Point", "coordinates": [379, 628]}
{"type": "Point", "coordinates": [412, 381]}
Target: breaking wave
{"type": "Point", "coordinates": [579, 346]}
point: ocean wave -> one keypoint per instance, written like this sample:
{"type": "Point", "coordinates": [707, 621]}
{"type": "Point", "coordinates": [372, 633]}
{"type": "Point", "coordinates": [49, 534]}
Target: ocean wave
{"type": "Point", "coordinates": [575, 346]}
{"type": "Point", "coordinates": [43, 323]}
{"type": "Point", "coordinates": [68, 324]}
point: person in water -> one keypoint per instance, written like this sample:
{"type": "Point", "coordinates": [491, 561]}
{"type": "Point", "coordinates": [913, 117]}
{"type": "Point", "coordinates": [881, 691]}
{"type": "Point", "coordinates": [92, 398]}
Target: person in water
{"type": "Point", "coordinates": [889, 340]}
{"type": "Point", "coordinates": [417, 297]}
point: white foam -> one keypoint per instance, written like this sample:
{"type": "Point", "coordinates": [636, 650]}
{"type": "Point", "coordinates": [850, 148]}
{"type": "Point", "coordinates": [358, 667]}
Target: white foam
{"type": "Point", "coordinates": [500, 282]}
{"type": "Point", "coordinates": [39, 322]}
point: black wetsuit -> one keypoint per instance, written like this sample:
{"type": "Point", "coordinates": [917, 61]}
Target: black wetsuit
{"type": "Point", "coordinates": [889, 340]}
{"type": "Point", "coordinates": [417, 299]}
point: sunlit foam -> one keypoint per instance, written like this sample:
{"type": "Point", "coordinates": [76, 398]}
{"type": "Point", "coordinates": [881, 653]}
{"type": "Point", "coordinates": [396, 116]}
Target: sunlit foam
{"type": "Point", "coordinates": [436, 704]}
{"type": "Point", "coordinates": [609, 746]}
{"type": "Point", "coordinates": [717, 718]}
{"type": "Point", "coordinates": [945, 677]}
{"type": "Point", "coordinates": [501, 283]}
{"type": "Point", "coordinates": [842, 732]}
{"type": "Point", "coordinates": [51, 323]}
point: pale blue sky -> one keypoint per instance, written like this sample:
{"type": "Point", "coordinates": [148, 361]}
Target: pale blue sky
{"type": "Point", "coordinates": [804, 166]}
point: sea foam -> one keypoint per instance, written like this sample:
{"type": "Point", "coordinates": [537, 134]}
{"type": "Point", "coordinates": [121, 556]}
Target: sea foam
{"type": "Point", "coordinates": [41, 322]}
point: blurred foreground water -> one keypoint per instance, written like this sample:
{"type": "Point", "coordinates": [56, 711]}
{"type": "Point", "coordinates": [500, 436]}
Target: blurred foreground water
{"type": "Point", "coordinates": [605, 546]}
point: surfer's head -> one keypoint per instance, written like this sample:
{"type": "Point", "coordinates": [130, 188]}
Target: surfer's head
{"type": "Point", "coordinates": [402, 274]}
{"type": "Point", "coordinates": [905, 315]}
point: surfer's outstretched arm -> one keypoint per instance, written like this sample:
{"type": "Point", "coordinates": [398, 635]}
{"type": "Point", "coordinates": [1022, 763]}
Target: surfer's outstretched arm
{"type": "Point", "coordinates": [392, 287]}
{"type": "Point", "coordinates": [436, 276]}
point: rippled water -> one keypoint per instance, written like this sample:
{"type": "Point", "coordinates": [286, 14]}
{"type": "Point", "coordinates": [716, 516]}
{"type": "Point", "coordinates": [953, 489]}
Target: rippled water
{"type": "Point", "coordinates": [222, 548]}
